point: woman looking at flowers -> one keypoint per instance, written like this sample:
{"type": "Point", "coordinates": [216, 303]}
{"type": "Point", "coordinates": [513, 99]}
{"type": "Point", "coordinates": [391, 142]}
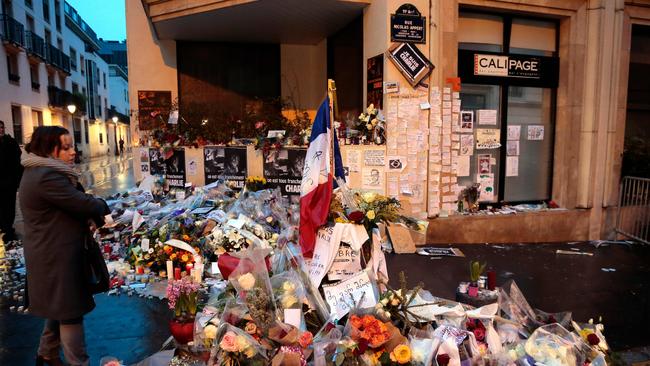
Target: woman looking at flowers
{"type": "Point", "coordinates": [57, 216]}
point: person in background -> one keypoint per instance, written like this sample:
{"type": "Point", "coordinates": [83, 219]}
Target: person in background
{"type": "Point", "coordinates": [58, 219]}
{"type": "Point", "coordinates": [121, 146]}
{"type": "Point", "coordinates": [9, 179]}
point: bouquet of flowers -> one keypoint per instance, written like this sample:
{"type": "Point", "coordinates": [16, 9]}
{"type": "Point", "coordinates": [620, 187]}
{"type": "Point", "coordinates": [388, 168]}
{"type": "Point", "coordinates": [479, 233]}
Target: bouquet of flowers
{"type": "Point", "coordinates": [236, 348]}
{"type": "Point", "coordinates": [372, 126]}
{"type": "Point", "coordinates": [182, 296]}
{"type": "Point", "coordinates": [290, 296]}
{"type": "Point", "coordinates": [251, 280]}
{"type": "Point", "coordinates": [255, 183]}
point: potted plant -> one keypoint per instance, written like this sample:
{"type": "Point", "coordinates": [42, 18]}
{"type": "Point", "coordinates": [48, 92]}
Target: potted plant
{"type": "Point", "coordinates": [475, 271]}
{"type": "Point", "coordinates": [183, 299]}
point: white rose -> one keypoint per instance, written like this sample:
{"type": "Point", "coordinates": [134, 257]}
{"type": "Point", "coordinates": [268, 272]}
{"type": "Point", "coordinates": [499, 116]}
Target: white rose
{"type": "Point", "coordinates": [247, 281]}
{"type": "Point", "coordinates": [369, 197]}
{"type": "Point", "coordinates": [210, 331]}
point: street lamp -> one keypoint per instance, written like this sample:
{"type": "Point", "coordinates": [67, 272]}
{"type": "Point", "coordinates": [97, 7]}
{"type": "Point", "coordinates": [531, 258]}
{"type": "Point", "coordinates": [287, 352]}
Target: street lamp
{"type": "Point", "coordinates": [114, 119]}
{"type": "Point", "coordinates": [72, 108]}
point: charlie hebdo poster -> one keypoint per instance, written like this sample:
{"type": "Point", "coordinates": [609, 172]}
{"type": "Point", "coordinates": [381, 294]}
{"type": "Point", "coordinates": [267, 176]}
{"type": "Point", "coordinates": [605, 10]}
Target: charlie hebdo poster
{"type": "Point", "coordinates": [283, 168]}
{"type": "Point", "coordinates": [225, 163]}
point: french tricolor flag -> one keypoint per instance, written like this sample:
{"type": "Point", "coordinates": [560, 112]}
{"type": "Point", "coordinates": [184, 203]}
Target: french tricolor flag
{"type": "Point", "coordinates": [318, 178]}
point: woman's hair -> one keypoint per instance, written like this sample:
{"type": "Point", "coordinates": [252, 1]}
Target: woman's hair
{"type": "Point", "coordinates": [45, 139]}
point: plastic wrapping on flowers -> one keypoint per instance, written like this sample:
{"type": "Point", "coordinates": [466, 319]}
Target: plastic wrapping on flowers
{"type": "Point", "coordinates": [260, 304]}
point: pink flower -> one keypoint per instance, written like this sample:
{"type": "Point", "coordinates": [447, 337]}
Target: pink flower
{"type": "Point", "coordinates": [229, 342]}
{"type": "Point", "coordinates": [113, 363]}
{"type": "Point", "coordinates": [259, 125]}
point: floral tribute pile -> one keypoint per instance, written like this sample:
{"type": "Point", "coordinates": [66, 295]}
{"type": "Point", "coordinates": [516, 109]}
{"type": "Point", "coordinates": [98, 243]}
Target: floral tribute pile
{"type": "Point", "coordinates": [237, 275]}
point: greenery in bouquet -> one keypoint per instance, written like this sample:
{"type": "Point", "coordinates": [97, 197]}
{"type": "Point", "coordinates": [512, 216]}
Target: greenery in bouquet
{"type": "Point", "coordinates": [372, 126]}
{"type": "Point", "coordinates": [371, 209]}
{"type": "Point", "coordinates": [183, 297]}
{"type": "Point", "coordinates": [255, 183]}
{"type": "Point", "coordinates": [258, 299]}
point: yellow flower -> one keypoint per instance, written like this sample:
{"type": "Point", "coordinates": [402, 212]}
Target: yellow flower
{"type": "Point", "coordinates": [370, 214]}
{"type": "Point", "coordinates": [186, 237]}
{"type": "Point", "coordinates": [210, 331]}
{"type": "Point", "coordinates": [249, 352]}
{"type": "Point", "coordinates": [341, 220]}
{"type": "Point", "coordinates": [241, 342]}
{"type": "Point", "coordinates": [185, 257]}
{"type": "Point", "coordinates": [401, 354]}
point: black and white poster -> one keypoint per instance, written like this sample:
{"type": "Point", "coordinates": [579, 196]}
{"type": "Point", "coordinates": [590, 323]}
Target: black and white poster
{"type": "Point", "coordinates": [173, 168]}
{"type": "Point", "coordinates": [283, 168]}
{"type": "Point", "coordinates": [225, 163]}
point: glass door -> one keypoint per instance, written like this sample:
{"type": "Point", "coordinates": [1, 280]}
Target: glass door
{"type": "Point", "coordinates": [529, 145]}
{"type": "Point", "coordinates": [480, 104]}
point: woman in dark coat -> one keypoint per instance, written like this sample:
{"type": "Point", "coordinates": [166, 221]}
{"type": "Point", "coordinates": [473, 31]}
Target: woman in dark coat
{"type": "Point", "coordinates": [57, 217]}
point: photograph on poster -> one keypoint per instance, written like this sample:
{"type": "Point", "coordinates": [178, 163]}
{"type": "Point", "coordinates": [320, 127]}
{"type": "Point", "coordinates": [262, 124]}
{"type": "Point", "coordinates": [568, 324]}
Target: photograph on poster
{"type": "Point", "coordinates": [373, 178]}
{"type": "Point", "coordinates": [466, 145]}
{"type": "Point", "coordinates": [512, 148]}
{"type": "Point", "coordinates": [535, 132]}
{"type": "Point", "coordinates": [466, 121]}
{"type": "Point", "coordinates": [484, 163]}
{"type": "Point", "coordinates": [514, 132]}
{"type": "Point", "coordinates": [283, 168]}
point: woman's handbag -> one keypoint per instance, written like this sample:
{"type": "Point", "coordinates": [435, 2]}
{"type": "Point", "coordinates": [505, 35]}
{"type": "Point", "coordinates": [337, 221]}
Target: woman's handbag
{"type": "Point", "coordinates": [98, 279]}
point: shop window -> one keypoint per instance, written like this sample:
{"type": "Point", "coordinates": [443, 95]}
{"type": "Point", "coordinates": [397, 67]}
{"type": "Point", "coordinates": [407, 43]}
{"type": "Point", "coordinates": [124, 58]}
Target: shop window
{"type": "Point", "coordinates": [29, 4]}
{"type": "Point", "coordinates": [75, 88]}
{"type": "Point", "coordinates": [480, 32]}
{"type": "Point", "coordinates": [524, 110]}
{"type": "Point", "coordinates": [533, 37]}
{"type": "Point", "coordinates": [17, 119]}
{"type": "Point", "coordinates": [101, 138]}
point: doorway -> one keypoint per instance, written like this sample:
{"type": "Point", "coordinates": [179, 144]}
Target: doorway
{"type": "Point", "coordinates": [636, 151]}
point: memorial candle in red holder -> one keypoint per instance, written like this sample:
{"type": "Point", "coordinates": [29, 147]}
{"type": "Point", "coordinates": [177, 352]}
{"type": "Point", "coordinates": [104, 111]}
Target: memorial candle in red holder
{"type": "Point", "coordinates": [491, 279]}
{"type": "Point", "coordinates": [177, 273]}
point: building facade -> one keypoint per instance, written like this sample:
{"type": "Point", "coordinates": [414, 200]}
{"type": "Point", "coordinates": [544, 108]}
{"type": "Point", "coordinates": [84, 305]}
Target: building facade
{"type": "Point", "coordinates": [49, 61]}
{"type": "Point", "coordinates": [114, 53]}
{"type": "Point", "coordinates": [551, 82]}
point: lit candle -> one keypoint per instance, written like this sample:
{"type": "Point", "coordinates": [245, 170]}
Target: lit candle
{"type": "Point", "coordinates": [177, 273]}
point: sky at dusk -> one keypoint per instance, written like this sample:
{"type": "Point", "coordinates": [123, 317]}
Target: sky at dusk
{"type": "Point", "coordinates": [105, 17]}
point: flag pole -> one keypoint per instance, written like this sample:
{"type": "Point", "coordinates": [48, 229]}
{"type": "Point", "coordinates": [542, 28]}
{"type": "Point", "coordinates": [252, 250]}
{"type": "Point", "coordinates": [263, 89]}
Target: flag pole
{"type": "Point", "coordinates": [331, 93]}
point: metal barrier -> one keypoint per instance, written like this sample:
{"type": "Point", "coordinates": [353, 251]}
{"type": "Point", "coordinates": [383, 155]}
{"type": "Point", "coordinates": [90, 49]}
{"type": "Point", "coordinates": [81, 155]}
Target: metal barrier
{"type": "Point", "coordinates": [633, 219]}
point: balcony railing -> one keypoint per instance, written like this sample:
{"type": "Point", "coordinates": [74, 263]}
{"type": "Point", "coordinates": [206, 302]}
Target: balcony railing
{"type": "Point", "coordinates": [35, 44]}
{"type": "Point", "coordinates": [56, 58]}
{"type": "Point", "coordinates": [11, 30]}
{"type": "Point", "coordinates": [59, 98]}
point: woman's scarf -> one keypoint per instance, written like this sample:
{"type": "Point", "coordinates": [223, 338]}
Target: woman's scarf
{"type": "Point", "coordinates": [33, 161]}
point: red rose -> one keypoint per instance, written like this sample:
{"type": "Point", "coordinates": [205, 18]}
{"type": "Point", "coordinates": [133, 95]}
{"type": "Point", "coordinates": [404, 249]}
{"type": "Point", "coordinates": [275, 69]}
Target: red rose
{"type": "Point", "coordinates": [479, 333]}
{"type": "Point", "coordinates": [593, 339]}
{"type": "Point", "coordinates": [356, 217]}
{"type": "Point", "coordinates": [443, 359]}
